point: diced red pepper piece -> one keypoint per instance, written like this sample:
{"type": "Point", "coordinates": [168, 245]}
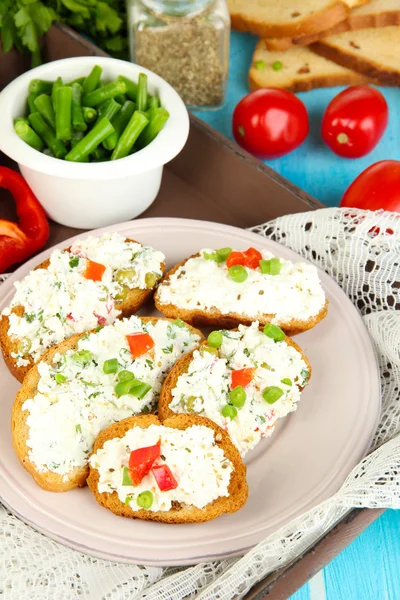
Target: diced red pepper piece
{"type": "Point", "coordinates": [94, 270]}
{"type": "Point", "coordinates": [165, 480]}
{"type": "Point", "coordinates": [253, 258]}
{"type": "Point", "coordinates": [139, 343]}
{"type": "Point", "coordinates": [236, 258]}
{"type": "Point", "coordinates": [242, 377]}
{"type": "Point", "coordinates": [141, 461]}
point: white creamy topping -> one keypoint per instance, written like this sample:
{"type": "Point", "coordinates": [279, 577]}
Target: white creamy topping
{"type": "Point", "coordinates": [205, 388]}
{"type": "Point", "coordinates": [198, 465]}
{"type": "Point", "coordinates": [295, 293]}
{"type": "Point", "coordinates": [76, 399]}
{"type": "Point", "coordinates": [59, 301]}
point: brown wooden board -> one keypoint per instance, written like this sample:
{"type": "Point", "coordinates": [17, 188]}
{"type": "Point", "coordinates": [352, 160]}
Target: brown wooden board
{"type": "Point", "coordinates": [212, 179]}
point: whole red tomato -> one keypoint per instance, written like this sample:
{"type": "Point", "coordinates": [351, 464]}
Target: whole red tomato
{"type": "Point", "coordinates": [355, 121]}
{"type": "Point", "coordinates": [270, 123]}
{"type": "Point", "coordinates": [375, 188]}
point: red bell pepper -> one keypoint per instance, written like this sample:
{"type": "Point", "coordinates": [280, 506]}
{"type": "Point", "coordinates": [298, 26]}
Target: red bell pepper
{"type": "Point", "coordinates": [139, 343]}
{"type": "Point", "coordinates": [94, 270]}
{"type": "Point", "coordinates": [236, 258]}
{"type": "Point", "coordinates": [249, 258]}
{"type": "Point", "coordinates": [141, 461]}
{"type": "Point", "coordinates": [242, 377]}
{"type": "Point", "coordinates": [19, 241]}
{"type": "Point", "coordinates": [165, 480]}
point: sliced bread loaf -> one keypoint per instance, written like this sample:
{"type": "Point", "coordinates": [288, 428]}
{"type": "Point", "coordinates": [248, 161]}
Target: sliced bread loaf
{"type": "Point", "coordinates": [377, 13]}
{"type": "Point", "coordinates": [371, 52]}
{"type": "Point", "coordinates": [298, 70]}
{"type": "Point", "coordinates": [269, 18]}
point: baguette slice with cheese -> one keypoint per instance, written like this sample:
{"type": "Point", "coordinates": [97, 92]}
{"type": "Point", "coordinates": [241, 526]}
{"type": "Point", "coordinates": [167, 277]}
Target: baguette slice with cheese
{"type": "Point", "coordinates": [62, 296]}
{"type": "Point", "coordinates": [376, 13]}
{"type": "Point", "coordinates": [202, 292]}
{"type": "Point", "coordinates": [245, 386]}
{"type": "Point", "coordinates": [209, 475]}
{"type": "Point", "coordinates": [78, 388]}
{"type": "Point", "coordinates": [298, 70]}
{"type": "Point", "coordinates": [370, 52]}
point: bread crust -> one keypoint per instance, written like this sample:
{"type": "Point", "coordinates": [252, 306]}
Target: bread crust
{"type": "Point", "coordinates": [353, 22]}
{"type": "Point", "coordinates": [238, 490]}
{"type": "Point", "coordinates": [135, 299]}
{"type": "Point", "coordinates": [213, 318]}
{"type": "Point", "coordinates": [318, 21]}
{"type": "Point", "coordinates": [48, 480]}
{"type": "Point", "coordinates": [182, 366]}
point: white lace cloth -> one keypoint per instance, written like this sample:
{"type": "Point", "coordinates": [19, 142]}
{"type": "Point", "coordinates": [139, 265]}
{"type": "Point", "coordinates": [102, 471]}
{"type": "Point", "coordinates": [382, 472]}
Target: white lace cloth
{"type": "Point", "coordinates": [361, 251]}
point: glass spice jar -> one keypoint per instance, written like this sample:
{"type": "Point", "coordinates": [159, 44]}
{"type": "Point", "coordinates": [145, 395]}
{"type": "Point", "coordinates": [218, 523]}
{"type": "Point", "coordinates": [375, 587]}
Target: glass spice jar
{"type": "Point", "coordinates": [187, 43]}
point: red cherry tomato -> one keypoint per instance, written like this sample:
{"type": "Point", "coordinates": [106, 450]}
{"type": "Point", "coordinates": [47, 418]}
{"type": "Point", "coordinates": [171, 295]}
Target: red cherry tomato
{"type": "Point", "coordinates": [355, 121]}
{"type": "Point", "coordinates": [270, 122]}
{"type": "Point", "coordinates": [375, 188]}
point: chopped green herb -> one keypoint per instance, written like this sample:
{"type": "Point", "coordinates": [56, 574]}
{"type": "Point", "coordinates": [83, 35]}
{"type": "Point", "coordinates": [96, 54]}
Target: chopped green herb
{"type": "Point", "coordinates": [98, 328]}
{"type": "Point", "coordinates": [74, 262]}
{"type": "Point", "coordinates": [149, 363]}
{"type": "Point", "coordinates": [78, 429]}
{"type": "Point", "coordinates": [305, 375]}
{"type": "Point", "coordinates": [168, 349]}
{"type": "Point", "coordinates": [29, 317]}
{"type": "Point", "coordinates": [246, 352]}
{"type": "Point", "coordinates": [60, 378]}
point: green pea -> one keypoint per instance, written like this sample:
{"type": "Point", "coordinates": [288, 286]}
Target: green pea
{"type": "Point", "coordinates": [272, 393]}
{"type": "Point", "coordinates": [60, 378]}
{"type": "Point", "coordinates": [274, 332]}
{"type": "Point", "coordinates": [145, 500]}
{"type": "Point", "coordinates": [272, 266]}
{"type": "Point", "coordinates": [237, 396]}
{"type": "Point", "coordinates": [110, 366]}
{"type": "Point", "coordinates": [82, 356]}
{"type": "Point", "coordinates": [277, 65]}
{"type": "Point", "coordinates": [125, 375]}
{"type": "Point", "coordinates": [229, 411]}
{"type": "Point", "coordinates": [238, 273]}
{"type": "Point", "coordinates": [126, 477]}
{"type": "Point", "coordinates": [215, 339]}
{"type": "Point", "coordinates": [208, 349]}
{"type": "Point", "coordinates": [286, 381]}
{"type": "Point", "coordinates": [150, 280]}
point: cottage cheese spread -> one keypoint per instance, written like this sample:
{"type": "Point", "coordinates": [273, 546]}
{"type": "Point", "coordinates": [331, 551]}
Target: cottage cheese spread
{"type": "Point", "coordinates": [205, 388]}
{"type": "Point", "coordinates": [75, 400]}
{"type": "Point", "coordinates": [196, 462]}
{"type": "Point", "coordinates": [60, 301]}
{"type": "Point", "coordinates": [200, 284]}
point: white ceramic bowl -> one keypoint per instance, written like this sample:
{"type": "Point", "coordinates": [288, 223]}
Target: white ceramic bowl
{"type": "Point", "coordinates": [95, 194]}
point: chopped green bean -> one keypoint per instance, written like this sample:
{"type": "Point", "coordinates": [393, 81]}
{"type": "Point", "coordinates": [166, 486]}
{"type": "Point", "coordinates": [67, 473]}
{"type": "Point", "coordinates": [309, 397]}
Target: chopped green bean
{"type": "Point", "coordinates": [87, 145]}
{"type": "Point", "coordinates": [119, 122]}
{"type": "Point", "coordinates": [108, 91]}
{"type": "Point", "coordinates": [48, 152]}
{"type": "Point", "coordinates": [99, 154]}
{"type": "Point", "coordinates": [45, 132]}
{"type": "Point", "coordinates": [141, 98]}
{"type": "Point", "coordinates": [44, 106]}
{"type": "Point", "coordinates": [131, 87]}
{"type": "Point", "coordinates": [136, 124]}
{"type": "Point", "coordinates": [21, 120]}
{"type": "Point", "coordinates": [108, 109]}
{"type": "Point", "coordinates": [121, 98]}
{"type": "Point", "coordinates": [92, 81]}
{"type": "Point", "coordinates": [31, 102]}
{"type": "Point", "coordinates": [79, 80]}
{"type": "Point", "coordinates": [26, 133]}
{"type": "Point", "coordinates": [78, 122]}
{"type": "Point", "coordinates": [38, 86]}
{"type": "Point", "coordinates": [157, 122]}
{"type": "Point", "coordinates": [57, 84]}
{"type": "Point", "coordinates": [63, 113]}
{"type": "Point", "coordinates": [89, 114]}
{"type": "Point", "coordinates": [76, 136]}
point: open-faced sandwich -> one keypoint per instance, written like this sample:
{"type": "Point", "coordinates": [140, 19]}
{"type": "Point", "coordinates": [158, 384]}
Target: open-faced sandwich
{"type": "Point", "coordinates": [243, 380]}
{"type": "Point", "coordinates": [91, 283]}
{"type": "Point", "coordinates": [224, 288]}
{"type": "Point", "coordinates": [85, 384]}
{"type": "Point", "coordinates": [184, 470]}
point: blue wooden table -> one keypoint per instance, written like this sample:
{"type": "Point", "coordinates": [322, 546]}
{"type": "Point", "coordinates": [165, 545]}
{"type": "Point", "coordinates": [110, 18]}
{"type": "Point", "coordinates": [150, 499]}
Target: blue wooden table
{"type": "Point", "coordinates": [369, 568]}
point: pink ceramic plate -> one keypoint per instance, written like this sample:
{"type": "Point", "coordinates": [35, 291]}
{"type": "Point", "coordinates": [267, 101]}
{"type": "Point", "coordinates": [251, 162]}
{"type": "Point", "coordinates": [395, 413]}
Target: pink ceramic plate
{"type": "Point", "coordinates": [305, 461]}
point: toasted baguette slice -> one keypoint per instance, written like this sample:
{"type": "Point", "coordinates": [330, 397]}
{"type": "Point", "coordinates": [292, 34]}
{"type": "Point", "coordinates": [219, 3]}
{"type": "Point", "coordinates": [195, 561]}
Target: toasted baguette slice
{"type": "Point", "coordinates": [133, 301]}
{"type": "Point", "coordinates": [377, 13]}
{"type": "Point", "coordinates": [217, 318]}
{"type": "Point", "coordinates": [46, 478]}
{"type": "Point", "coordinates": [286, 18]}
{"type": "Point", "coordinates": [301, 70]}
{"type": "Point", "coordinates": [180, 513]}
{"type": "Point", "coordinates": [371, 52]}
{"type": "Point", "coordinates": [265, 429]}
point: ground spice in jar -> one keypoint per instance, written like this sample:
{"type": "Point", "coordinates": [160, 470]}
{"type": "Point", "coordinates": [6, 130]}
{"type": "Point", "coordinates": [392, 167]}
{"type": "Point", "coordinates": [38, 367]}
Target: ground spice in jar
{"type": "Point", "coordinates": [190, 52]}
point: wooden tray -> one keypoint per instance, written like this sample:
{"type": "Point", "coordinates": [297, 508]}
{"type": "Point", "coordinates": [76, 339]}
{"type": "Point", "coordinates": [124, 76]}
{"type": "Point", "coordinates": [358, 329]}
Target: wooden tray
{"type": "Point", "coordinates": [212, 179]}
